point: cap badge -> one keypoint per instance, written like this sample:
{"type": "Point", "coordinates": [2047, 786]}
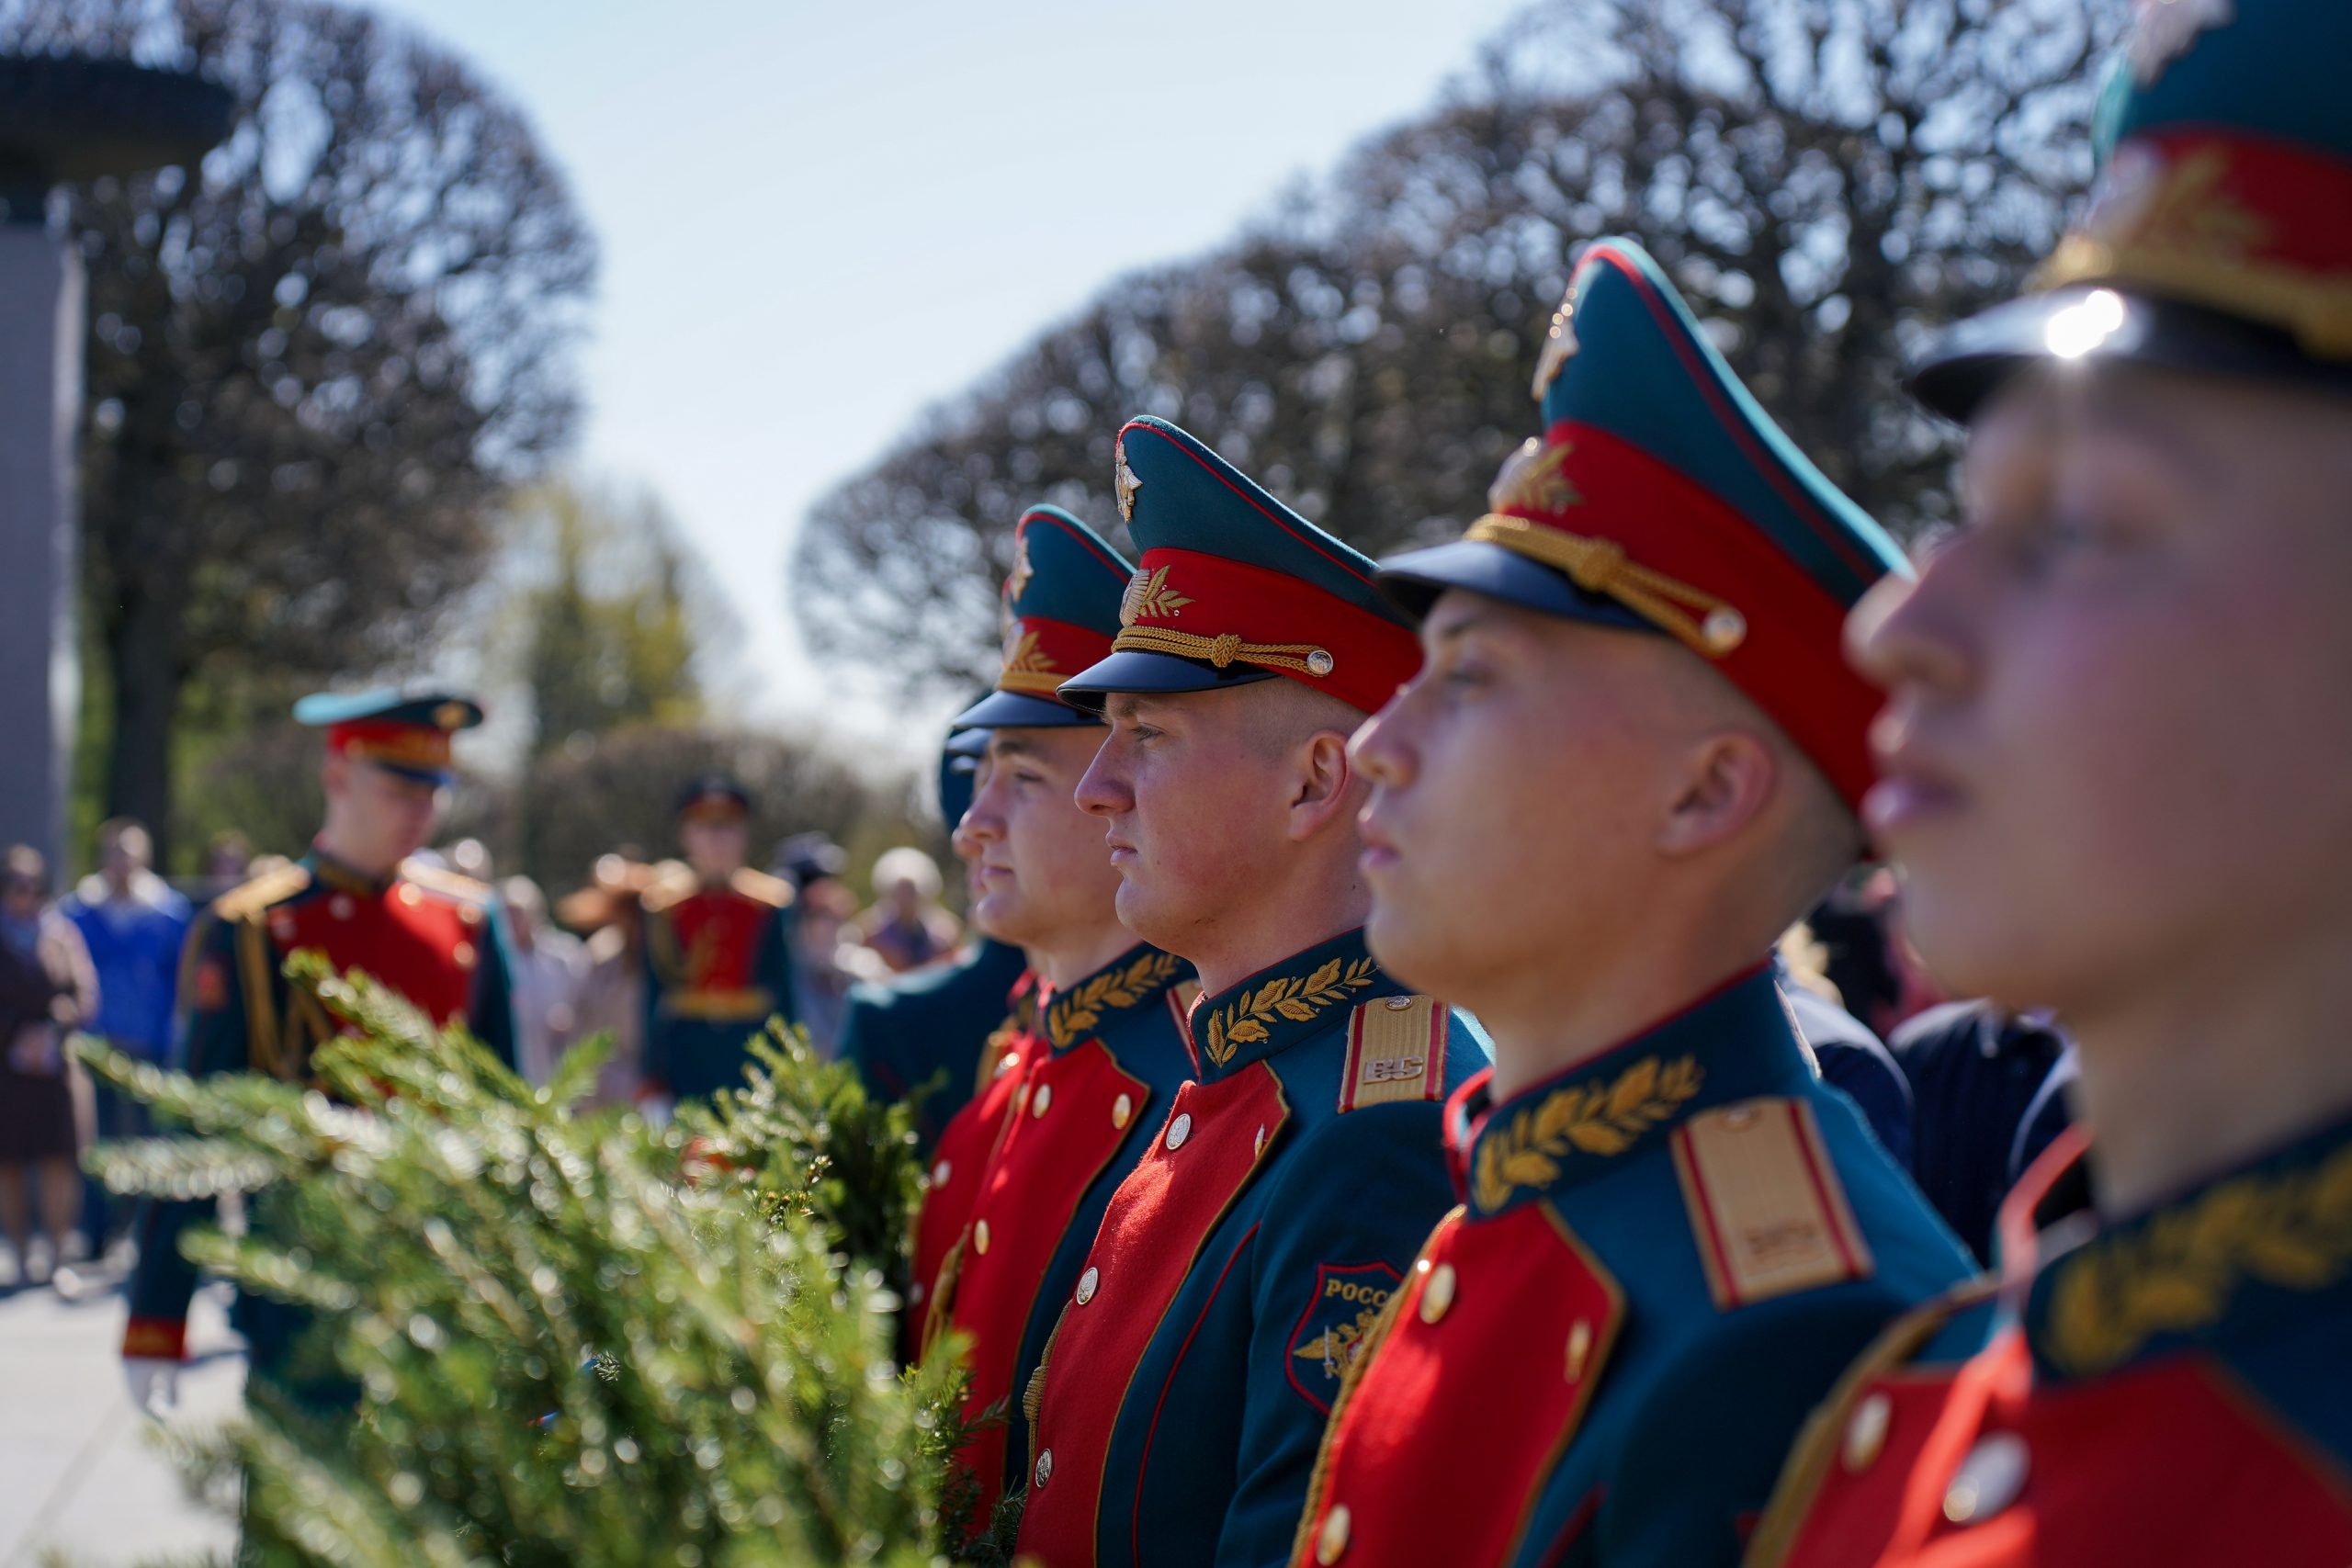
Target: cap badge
{"type": "Point", "coordinates": [1559, 347]}
{"type": "Point", "coordinates": [2167, 30]}
{"type": "Point", "coordinates": [1122, 480]}
{"type": "Point", "coordinates": [1149, 594]}
{"type": "Point", "coordinates": [2127, 193]}
{"type": "Point", "coordinates": [1022, 571]}
{"type": "Point", "coordinates": [1531, 480]}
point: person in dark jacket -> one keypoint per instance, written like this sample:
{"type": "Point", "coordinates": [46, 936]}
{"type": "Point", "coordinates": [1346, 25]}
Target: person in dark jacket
{"type": "Point", "coordinates": [47, 990]}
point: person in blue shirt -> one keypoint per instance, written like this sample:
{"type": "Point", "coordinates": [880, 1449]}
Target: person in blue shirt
{"type": "Point", "coordinates": [134, 925]}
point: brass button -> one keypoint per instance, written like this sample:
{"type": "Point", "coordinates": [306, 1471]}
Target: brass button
{"type": "Point", "coordinates": [1988, 1480]}
{"type": "Point", "coordinates": [1087, 1283]}
{"type": "Point", "coordinates": [410, 896]}
{"type": "Point", "coordinates": [1258, 1147]}
{"type": "Point", "coordinates": [1579, 1348]}
{"type": "Point", "coordinates": [1724, 629]}
{"type": "Point", "coordinates": [464, 954]}
{"type": "Point", "coordinates": [340, 906]}
{"type": "Point", "coordinates": [1123, 1110]}
{"type": "Point", "coordinates": [1179, 1129]}
{"type": "Point", "coordinates": [939, 1174]}
{"type": "Point", "coordinates": [1045, 1471]}
{"type": "Point", "coordinates": [980, 1237]}
{"type": "Point", "coordinates": [1321, 663]}
{"type": "Point", "coordinates": [1438, 1294]}
{"type": "Point", "coordinates": [470, 914]}
{"type": "Point", "coordinates": [1042, 1099]}
{"type": "Point", "coordinates": [1020, 1100]}
{"type": "Point", "coordinates": [1866, 1432]}
{"type": "Point", "coordinates": [1397, 1004]}
{"type": "Point", "coordinates": [1332, 1538]}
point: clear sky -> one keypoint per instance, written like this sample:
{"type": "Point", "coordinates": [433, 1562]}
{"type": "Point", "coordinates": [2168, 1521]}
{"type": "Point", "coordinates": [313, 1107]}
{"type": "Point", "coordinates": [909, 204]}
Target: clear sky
{"type": "Point", "coordinates": [815, 219]}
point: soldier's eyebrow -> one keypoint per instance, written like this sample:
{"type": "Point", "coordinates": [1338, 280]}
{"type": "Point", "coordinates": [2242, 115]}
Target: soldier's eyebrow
{"type": "Point", "coordinates": [1129, 706]}
{"type": "Point", "coordinates": [1004, 744]}
{"type": "Point", "coordinates": [1444, 626]}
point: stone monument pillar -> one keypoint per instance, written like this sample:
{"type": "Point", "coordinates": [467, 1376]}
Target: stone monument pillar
{"type": "Point", "coordinates": [40, 393]}
{"type": "Point", "coordinates": [61, 118]}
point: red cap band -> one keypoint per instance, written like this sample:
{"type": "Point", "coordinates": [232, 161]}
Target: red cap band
{"type": "Point", "coordinates": [1223, 611]}
{"type": "Point", "coordinates": [1788, 655]}
{"type": "Point", "coordinates": [1040, 654]}
{"type": "Point", "coordinates": [394, 745]}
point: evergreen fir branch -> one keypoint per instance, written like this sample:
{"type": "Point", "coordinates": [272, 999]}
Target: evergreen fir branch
{"type": "Point", "coordinates": [565, 1356]}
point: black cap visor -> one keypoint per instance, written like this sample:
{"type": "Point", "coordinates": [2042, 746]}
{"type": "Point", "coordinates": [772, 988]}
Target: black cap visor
{"type": "Point", "coordinates": [1132, 670]}
{"type": "Point", "coordinates": [2088, 323]}
{"type": "Point", "coordinates": [1414, 581]}
{"type": "Point", "coordinates": [1018, 710]}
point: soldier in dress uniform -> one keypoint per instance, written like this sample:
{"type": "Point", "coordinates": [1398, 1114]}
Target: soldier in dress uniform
{"type": "Point", "coordinates": [2114, 747]}
{"type": "Point", "coordinates": [922, 1037]}
{"type": "Point", "coordinates": [1630, 761]}
{"type": "Point", "coordinates": [357, 898]}
{"type": "Point", "coordinates": [718, 950]}
{"type": "Point", "coordinates": [1108, 1050]}
{"type": "Point", "coordinates": [1284, 1189]}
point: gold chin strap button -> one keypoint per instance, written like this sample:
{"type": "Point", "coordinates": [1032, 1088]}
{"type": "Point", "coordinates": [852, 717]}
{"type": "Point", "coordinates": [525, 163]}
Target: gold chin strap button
{"type": "Point", "coordinates": [1331, 1540]}
{"type": "Point", "coordinates": [1320, 663]}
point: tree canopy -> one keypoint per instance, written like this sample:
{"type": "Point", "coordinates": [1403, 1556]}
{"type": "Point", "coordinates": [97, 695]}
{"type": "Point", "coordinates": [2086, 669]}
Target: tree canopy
{"type": "Point", "coordinates": [1825, 181]}
{"type": "Point", "coordinates": [315, 363]}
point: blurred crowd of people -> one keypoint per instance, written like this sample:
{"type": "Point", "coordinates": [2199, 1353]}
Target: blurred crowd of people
{"type": "Point", "coordinates": [106, 959]}
{"type": "Point", "coordinates": [1971, 1095]}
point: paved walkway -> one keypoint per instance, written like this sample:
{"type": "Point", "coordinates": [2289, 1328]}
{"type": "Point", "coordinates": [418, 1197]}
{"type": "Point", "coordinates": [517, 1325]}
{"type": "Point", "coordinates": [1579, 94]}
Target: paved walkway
{"type": "Point", "coordinates": [80, 1472]}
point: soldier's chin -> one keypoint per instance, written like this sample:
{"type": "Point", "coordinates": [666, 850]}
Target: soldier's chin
{"type": "Point", "coordinates": [1405, 941]}
{"type": "Point", "coordinates": [999, 915]}
{"type": "Point", "coordinates": [1144, 915]}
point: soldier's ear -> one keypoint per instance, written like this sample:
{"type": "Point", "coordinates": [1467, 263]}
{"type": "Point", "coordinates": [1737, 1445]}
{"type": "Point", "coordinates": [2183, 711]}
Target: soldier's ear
{"type": "Point", "coordinates": [1323, 786]}
{"type": "Point", "coordinates": [1727, 781]}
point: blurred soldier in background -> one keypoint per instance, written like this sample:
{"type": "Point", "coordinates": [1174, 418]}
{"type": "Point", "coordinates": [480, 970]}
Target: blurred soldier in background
{"type": "Point", "coordinates": [718, 952]}
{"type": "Point", "coordinates": [359, 899]}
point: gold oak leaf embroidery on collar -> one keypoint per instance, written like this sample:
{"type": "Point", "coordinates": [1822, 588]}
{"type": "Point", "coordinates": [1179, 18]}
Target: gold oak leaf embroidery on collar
{"type": "Point", "coordinates": [1149, 594]}
{"type": "Point", "coordinates": [2178, 1272]}
{"type": "Point", "coordinates": [1586, 1118]}
{"type": "Point", "coordinates": [1244, 1022]}
{"type": "Point", "coordinates": [1068, 1016]}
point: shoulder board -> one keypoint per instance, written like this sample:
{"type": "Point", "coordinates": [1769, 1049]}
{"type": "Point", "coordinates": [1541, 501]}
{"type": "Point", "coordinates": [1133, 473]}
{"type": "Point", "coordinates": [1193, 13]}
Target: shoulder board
{"type": "Point", "coordinates": [448, 883]}
{"type": "Point", "coordinates": [1395, 1052]}
{"type": "Point", "coordinates": [674, 888]}
{"type": "Point", "coordinates": [249, 901]}
{"type": "Point", "coordinates": [1766, 1204]}
{"type": "Point", "coordinates": [759, 885]}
